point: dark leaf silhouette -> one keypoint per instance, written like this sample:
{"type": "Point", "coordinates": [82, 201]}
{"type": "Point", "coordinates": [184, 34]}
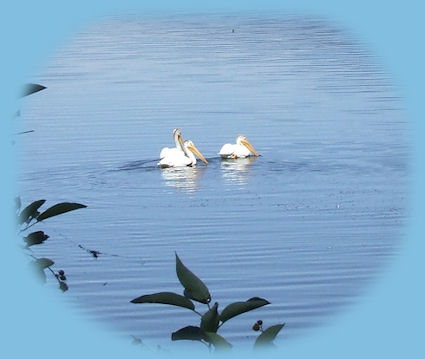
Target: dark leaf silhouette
{"type": "Point", "coordinates": [58, 209]}
{"type": "Point", "coordinates": [189, 333]}
{"type": "Point", "coordinates": [194, 287]}
{"type": "Point", "coordinates": [32, 88]}
{"type": "Point", "coordinates": [35, 238]}
{"type": "Point", "coordinates": [266, 338]}
{"type": "Point", "coordinates": [165, 298]}
{"type": "Point", "coordinates": [30, 211]}
{"type": "Point", "coordinates": [209, 321]}
{"type": "Point", "coordinates": [43, 262]}
{"type": "Point", "coordinates": [24, 132]}
{"type": "Point", "coordinates": [234, 309]}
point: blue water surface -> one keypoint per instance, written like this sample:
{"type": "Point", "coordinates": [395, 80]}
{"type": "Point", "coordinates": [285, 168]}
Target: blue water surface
{"type": "Point", "coordinates": [308, 225]}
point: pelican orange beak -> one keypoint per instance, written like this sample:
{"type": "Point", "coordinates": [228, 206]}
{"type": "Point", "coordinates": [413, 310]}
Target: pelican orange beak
{"type": "Point", "coordinates": [250, 147]}
{"type": "Point", "coordinates": [197, 153]}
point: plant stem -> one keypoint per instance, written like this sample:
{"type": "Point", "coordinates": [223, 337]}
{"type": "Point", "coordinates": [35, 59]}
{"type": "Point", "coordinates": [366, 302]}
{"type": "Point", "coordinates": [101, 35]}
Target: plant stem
{"type": "Point", "coordinates": [200, 314]}
{"type": "Point", "coordinates": [29, 226]}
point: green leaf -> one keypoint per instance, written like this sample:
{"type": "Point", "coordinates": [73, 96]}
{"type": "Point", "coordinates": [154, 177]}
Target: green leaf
{"type": "Point", "coordinates": [165, 298]}
{"type": "Point", "coordinates": [35, 238]}
{"type": "Point", "coordinates": [209, 321]}
{"type": "Point", "coordinates": [32, 88]}
{"type": "Point", "coordinates": [43, 263]}
{"type": "Point", "coordinates": [59, 208]}
{"type": "Point", "coordinates": [189, 333]}
{"type": "Point", "coordinates": [194, 287]}
{"type": "Point", "coordinates": [234, 309]}
{"type": "Point", "coordinates": [266, 338]}
{"type": "Point", "coordinates": [217, 340]}
{"type": "Point", "coordinates": [30, 211]}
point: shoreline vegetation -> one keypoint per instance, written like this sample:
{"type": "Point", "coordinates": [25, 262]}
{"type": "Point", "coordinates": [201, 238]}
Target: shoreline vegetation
{"type": "Point", "coordinates": [30, 216]}
{"type": "Point", "coordinates": [211, 320]}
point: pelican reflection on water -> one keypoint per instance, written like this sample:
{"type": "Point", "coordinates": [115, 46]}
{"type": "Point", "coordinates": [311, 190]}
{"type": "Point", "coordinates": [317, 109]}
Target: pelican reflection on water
{"type": "Point", "coordinates": [184, 178]}
{"type": "Point", "coordinates": [237, 170]}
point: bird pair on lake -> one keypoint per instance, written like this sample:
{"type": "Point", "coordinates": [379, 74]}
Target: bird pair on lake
{"type": "Point", "coordinates": [184, 153]}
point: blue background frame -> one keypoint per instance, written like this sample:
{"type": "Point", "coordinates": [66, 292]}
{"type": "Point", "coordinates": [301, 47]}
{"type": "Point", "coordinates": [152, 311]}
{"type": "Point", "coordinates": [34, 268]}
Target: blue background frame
{"type": "Point", "coordinates": [387, 322]}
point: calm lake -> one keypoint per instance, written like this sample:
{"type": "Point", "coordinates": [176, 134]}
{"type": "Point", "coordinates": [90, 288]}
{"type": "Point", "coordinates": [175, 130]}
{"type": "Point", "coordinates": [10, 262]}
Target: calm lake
{"type": "Point", "coordinates": [309, 225]}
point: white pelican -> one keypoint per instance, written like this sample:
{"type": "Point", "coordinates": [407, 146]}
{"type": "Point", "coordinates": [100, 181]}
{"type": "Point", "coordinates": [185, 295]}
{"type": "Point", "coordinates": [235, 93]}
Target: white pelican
{"type": "Point", "coordinates": [182, 155]}
{"type": "Point", "coordinates": [166, 151]}
{"type": "Point", "coordinates": [242, 148]}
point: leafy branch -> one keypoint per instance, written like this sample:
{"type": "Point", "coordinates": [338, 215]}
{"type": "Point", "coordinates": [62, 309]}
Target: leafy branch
{"type": "Point", "coordinates": [30, 216]}
{"type": "Point", "coordinates": [211, 320]}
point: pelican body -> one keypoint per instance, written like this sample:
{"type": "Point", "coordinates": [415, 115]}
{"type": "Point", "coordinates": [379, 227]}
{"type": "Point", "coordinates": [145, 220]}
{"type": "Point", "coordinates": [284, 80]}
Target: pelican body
{"type": "Point", "coordinates": [241, 149]}
{"type": "Point", "coordinates": [182, 155]}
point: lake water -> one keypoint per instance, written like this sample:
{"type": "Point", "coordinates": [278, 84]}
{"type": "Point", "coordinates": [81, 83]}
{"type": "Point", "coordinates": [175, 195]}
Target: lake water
{"type": "Point", "coordinates": [309, 225]}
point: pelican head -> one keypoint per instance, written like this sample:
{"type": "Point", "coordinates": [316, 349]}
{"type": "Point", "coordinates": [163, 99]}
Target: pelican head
{"type": "Point", "coordinates": [191, 147]}
{"type": "Point", "coordinates": [242, 140]}
{"type": "Point", "coordinates": [177, 134]}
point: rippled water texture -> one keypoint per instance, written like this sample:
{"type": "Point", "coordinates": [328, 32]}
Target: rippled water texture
{"type": "Point", "coordinates": [308, 225]}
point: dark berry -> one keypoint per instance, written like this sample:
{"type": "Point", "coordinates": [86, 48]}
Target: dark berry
{"type": "Point", "coordinates": [260, 322]}
{"type": "Point", "coordinates": [63, 286]}
{"type": "Point", "coordinates": [61, 272]}
{"type": "Point", "coordinates": [256, 327]}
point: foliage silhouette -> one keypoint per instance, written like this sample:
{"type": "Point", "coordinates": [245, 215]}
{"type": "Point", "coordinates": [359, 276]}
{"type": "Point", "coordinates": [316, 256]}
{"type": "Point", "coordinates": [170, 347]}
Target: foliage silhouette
{"type": "Point", "coordinates": [30, 216]}
{"type": "Point", "coordinates": [210, 321]}
{"type": "Point", "coordinates": [32, 88]}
